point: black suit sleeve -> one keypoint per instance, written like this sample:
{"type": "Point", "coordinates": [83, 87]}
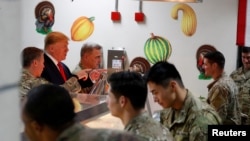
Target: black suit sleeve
{"type": "Point", "coordinates": [86, 83]}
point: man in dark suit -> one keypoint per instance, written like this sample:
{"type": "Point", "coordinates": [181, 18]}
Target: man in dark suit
{"type": "Point", "coordinates": [56, 49]}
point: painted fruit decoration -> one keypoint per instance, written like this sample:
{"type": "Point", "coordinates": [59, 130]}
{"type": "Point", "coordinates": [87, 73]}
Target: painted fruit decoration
{"type": "Point", "coordinates": [189, 20]}
{"type": "Point", "coordinates": [157, 49]}
{"type": "Point", "coordinates": [82, 28]}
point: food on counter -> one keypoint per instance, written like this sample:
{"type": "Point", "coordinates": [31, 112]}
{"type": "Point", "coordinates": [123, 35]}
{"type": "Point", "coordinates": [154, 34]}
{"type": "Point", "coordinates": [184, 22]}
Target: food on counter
{"type": "Point", "coordinates": [77, 105]}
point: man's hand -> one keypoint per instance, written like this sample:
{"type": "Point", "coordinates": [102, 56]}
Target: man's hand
{"type": "Point", "coordinates": [83, 74]}
{"type": "Point", "coordinates": [94, 75]}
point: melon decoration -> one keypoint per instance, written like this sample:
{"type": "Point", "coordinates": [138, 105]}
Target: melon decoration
{"type": "Point", "coordinates": [82, 28]}
{"type": "Point", "coordinates": [157, 49]}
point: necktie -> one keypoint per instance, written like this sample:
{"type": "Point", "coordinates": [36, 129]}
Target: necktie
{"type": "Point", "coordinates": [62, 71]}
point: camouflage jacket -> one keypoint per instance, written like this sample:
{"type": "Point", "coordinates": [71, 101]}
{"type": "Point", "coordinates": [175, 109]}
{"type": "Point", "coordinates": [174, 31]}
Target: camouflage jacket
{"type": "Point", "coordinates": [222, 96]}
{"type": "Point", "coordinates": [77, 69]}
{"type": "Point", "coordinates": [28, 81]}
{"type": "Point", "coordinates": [242, 80]}
{"type": "Point", "coordinates": [147, 127]}
{"type": "Point", "coordinates": [78, 132]}
{"type": "Point", "coordinates": [190, 123]}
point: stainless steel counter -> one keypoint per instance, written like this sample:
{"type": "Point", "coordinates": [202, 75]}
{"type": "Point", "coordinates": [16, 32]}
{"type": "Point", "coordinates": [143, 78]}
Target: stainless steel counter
{"type": "Point", "coordinates": [91, 107]}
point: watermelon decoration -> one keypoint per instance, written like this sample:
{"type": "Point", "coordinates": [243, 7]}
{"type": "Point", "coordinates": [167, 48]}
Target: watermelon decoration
{"type": "Point", "coordinates": [157, 49]}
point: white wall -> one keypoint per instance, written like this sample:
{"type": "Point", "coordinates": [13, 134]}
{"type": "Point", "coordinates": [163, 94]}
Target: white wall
{"type": "Point", "coordinates": [9, 62]}
{"type": "Point", "coordinates": [217, 21]}
{"type": "Point", "coordinates": [216, 25]}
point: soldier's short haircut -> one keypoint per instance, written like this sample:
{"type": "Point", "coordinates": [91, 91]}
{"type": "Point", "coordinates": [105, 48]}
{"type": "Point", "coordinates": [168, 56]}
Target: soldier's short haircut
{"type": "Point", "coordinates": [245, 49]}
{"type": "Point", "coordinates": [29, 54]}
{"type": "Point", "coordinates": [89, 47]}
{"type": "Point", "coordinates": [162, 72]}
{"type": "Point", "coordinates": [216, 57]}
{"type": "Point", "coordinates": [130, 85]}
{"type": "Point", "coordinates": [50, 105]}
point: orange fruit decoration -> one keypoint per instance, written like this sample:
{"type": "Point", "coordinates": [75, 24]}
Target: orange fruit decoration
{"type": "Point", "coordinates": [82, 28]}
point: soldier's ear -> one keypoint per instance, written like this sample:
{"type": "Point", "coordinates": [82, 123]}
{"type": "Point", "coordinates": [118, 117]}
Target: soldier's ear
{"type": "Point", "coordinates": [122, 101]}
{"type": "Point", "coordinates": [37, 128]}
{"type": "Point", "coordinates": [34, 62]}
{"type": "Point", "coordinates": [214, 65]}
{"type": "Point", "coordinates": [86, 56]}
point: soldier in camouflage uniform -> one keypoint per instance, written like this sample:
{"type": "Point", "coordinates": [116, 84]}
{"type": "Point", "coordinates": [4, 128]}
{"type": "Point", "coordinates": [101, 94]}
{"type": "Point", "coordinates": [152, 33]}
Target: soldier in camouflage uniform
{"type": "Point", "coordinates": [32, 63]}
{"type": "Point", "coordinates": [222, 95]}
{"type": "Point", "coordinates": [48, 115]}
{"type": "Point", "coordinates": [186, 116]}
{"type": "Point", "coordinates": [241, 77]}
{"type": "Point", "coordinates": [90, 58]}
{"type": "Point", "coordinates": [126, 100]}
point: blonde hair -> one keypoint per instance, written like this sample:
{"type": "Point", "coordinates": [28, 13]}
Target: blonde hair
{"type": "Point", "coordinates": [54, 37]}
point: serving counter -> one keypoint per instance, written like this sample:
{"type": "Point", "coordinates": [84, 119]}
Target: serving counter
{"type": "Point", "coordinates": [94, 113]}
{"type": "Point", "coordinates": [88, 107]}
